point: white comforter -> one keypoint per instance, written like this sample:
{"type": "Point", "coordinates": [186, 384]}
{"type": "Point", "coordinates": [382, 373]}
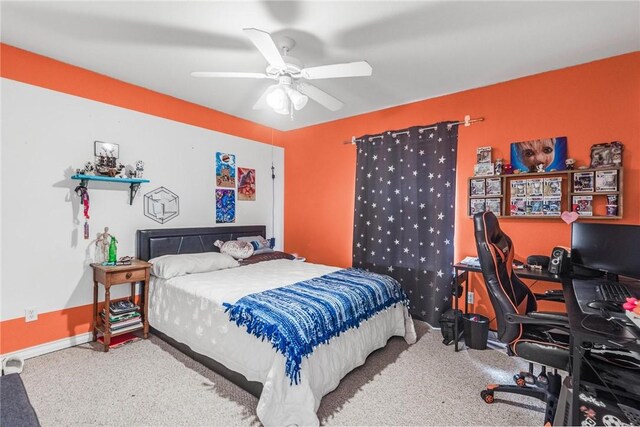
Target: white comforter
{"type": "Point", "coordinates": [189, 309]}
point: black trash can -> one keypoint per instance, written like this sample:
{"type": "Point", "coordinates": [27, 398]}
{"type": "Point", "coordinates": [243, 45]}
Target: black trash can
{"type": "Point", "coordinates": [476, 331]}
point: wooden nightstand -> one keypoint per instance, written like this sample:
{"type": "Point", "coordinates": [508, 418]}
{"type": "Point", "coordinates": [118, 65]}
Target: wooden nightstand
{"type": "Point", "coordinates": [138, 271]}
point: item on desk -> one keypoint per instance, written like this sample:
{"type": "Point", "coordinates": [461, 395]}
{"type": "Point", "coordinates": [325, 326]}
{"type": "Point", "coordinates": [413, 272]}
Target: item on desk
{"type": "Point", "coordinates": [538, 261]}
{"type": "Point", "coordinates": [559, 261]}
{"type": "Point", "coordinates": [471, 261]}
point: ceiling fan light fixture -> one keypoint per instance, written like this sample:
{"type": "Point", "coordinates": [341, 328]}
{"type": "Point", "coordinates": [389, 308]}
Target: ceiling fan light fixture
{"type": "Point", "coordinates": [277, 99]}
{"type": "Point", "coordinates": [285, 110]}
{"type": "Point", "coordinates": [297, 99]}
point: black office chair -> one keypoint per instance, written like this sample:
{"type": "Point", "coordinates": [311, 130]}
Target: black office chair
{"type": "Point", "coordinates": [539, 337]}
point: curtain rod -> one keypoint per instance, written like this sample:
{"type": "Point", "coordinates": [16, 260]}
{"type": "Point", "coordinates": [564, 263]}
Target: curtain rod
{"type": "Point", "coordinates": [467, 122]}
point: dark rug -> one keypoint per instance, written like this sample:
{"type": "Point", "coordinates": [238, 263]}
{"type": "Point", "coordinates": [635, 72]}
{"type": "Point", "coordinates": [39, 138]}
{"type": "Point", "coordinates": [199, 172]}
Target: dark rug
{"type": "Point", "coordinates": [14, 401]}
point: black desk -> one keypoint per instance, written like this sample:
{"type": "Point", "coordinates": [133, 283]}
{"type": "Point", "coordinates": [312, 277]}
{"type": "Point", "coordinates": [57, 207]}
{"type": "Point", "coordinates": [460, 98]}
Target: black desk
{"type": "Point", "coordinates": [461, 273]}
{"type": "Point", "coordinates": [589, 329]}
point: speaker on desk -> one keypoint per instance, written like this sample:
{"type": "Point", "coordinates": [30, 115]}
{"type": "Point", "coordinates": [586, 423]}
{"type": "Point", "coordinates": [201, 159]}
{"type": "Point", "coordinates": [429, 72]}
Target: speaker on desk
{"type": "Point", "coordinates": [559, 261]}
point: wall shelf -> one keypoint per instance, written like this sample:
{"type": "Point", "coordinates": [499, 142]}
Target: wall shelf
{"type": "Point", "coordinates": [501, 205]}
{"type": "Point", "coordinates": [134, 183]}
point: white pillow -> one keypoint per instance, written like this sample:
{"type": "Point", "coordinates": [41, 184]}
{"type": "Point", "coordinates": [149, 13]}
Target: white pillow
{"type": "Point", "coordinates": [168, 266]}
{"type": "Point", "coordinates": [236, 248]}
{"type": "Point", "coordinates": [259, 243]}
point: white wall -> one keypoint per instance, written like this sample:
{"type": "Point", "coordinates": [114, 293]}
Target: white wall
{"type": "Point", "coordinates": [46, 135]}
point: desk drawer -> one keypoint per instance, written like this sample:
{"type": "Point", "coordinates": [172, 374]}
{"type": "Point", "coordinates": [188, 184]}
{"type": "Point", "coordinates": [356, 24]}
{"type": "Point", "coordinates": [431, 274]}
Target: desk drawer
{"type": "Point", "coordinates": [127, 276]}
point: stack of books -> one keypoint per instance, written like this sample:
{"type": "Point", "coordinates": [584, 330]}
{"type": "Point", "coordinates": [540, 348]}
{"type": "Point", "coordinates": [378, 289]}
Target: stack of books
{"type": "Point", "coordinates": [123, 315]}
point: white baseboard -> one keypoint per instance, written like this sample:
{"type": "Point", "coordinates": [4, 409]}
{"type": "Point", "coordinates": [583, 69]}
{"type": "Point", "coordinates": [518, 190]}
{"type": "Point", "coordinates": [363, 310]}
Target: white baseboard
{"type": "Point", "coordinates": [49, 347]}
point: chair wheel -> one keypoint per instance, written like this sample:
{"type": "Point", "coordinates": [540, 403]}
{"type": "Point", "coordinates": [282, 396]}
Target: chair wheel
{"type": "Point", "coordinates": [487, 396]}
{"type": "Point", "coordinates": [519, 380]}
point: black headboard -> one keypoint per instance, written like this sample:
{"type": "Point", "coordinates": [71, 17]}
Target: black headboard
{"type": "Point", "coordinates": [172, 241]}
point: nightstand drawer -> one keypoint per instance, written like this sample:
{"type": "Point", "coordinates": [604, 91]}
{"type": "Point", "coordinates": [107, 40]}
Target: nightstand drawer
{"type": "Point", "coordinates": [127, 276]}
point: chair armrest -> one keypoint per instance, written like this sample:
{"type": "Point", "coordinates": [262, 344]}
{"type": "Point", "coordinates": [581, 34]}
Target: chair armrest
{"type": "Point", "coordinates": [540, 320]}
{"type": "Point", "coordinates": [551, 295]}
{"type": "Point", "coordinates": [549, 315]}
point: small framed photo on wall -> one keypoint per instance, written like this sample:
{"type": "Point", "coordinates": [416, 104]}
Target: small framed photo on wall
{"type": "Point", "coordinates": [106, 149]}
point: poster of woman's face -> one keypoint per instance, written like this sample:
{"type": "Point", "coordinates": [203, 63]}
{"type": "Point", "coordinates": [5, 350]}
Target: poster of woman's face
{"type": "Point", "coordinates": [550, 152]}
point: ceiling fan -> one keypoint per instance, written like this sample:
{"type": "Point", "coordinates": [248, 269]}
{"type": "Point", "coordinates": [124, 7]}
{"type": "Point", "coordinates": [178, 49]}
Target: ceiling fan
{"type": "Point", "coordinates": [291, 92]}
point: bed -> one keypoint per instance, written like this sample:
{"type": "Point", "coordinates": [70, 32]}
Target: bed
{"type": "Point", "coordinates": [188, 312]}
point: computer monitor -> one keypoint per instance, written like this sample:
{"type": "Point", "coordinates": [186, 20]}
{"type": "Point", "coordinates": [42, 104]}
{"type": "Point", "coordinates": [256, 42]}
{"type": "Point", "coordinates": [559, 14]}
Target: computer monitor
{"type": "Point", "coordinates": [610, 248]}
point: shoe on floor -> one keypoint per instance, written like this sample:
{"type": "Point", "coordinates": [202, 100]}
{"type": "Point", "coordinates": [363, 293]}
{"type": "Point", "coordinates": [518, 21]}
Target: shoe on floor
{"type": "Point", "coordinates": [12, 365]}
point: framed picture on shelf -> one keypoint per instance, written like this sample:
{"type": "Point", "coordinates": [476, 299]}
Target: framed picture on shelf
{"type": "Point", "coordinates": [534, 187]}
{"type": "Point", "coordinates": [477, 187]}
{"type": "Point", "coordinates": [477, 206]}
{"type": "Point", "coordinates": [583, 205]}
{"type": "Point", "coordinates": [583, 182]}
{"type": "Point", "coordinates": [606, 181]}
{"type": "Point", "coordinates": [483, 169]}
{"type": "Point", "coordinates": [552, 187]}
{"type": "Point", "coordinates": [518, 206]}
{"type": "Point", "coordinates": [106, 149]}
{"type": "Point", "coordinates": [518, 188]}
{"type": "Point", "coordinates": [551, 206]}
{"type": "Point", "coordinates": [606, 155]}
{"type": "Point", "coordinates": [493, 187]}
{"type": "Point", "coordinates": [493, 205]}
{"type": "Point", "coordinates": [484, 154]}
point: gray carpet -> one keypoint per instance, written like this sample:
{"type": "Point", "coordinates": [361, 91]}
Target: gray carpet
{"type": "Point", "coordinates": [150, 383]}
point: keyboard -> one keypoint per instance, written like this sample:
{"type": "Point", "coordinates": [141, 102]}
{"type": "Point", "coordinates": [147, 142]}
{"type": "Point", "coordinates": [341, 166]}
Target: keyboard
{"type": "Point", "coordinates": [613, 292]}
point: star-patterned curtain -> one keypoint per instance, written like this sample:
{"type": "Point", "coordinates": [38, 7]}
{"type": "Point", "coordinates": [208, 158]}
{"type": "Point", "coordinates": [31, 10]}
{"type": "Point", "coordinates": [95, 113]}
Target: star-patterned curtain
{"type": "Point", "coordinates": [405, 211]}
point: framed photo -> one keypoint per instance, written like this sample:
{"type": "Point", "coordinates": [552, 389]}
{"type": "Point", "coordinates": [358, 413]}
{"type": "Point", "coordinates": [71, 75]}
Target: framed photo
{"type": "Point", "coordinates": [484, 154]}
{"type": "Point", "coordinates": [518, 188]}
{"type": "Point", "coordinates": [477, 206]}
{"type": "Point", "coordinates": [583, 205]}
{"type": "Point", "coordinates": [477, 187]}
{"type": "Point", "coordinates": [607, 180]}
{"type": "Point", "coordinates": [583, 182]}
{"type": "Point", "coordinates": [551, 206]}
{"type": "Point", "coordinates": [483, 169]}
{"type": "Point", "coordinates": [493, 205]}
{"type": "Point", "coordinates": [606, 155]}
{"type": "Point", "coordinates": [551, 153]}
{"type": "Point", "coordinates": [534, 187]}
{"type": "Point", "coordinates": [493, 187]}
{"type": "Point", "coordinates": [106, 149]}
{"type": "Point", "coordinates": [552, 187]}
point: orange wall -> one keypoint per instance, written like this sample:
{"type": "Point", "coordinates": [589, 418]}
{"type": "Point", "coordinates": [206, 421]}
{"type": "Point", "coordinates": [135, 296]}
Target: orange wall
{"type": "Point", "coordinates": [590, 103]}
{"type": "Point", "coordinates": [20, 65]}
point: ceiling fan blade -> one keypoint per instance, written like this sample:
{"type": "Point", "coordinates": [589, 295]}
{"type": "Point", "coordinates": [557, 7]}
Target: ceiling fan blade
{"type": "Point", "coordinates": [263, 41]}
{"type": "Point", "coordinates": [229, 74]}
{"type": "Point", "coordinates": [261, 103]}
{"type": "Point", "coordinates": [321, 97]}
{"type": "Point", "coordinates": [349, 69]}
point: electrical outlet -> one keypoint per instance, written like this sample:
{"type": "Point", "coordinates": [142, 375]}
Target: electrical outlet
{"type": "Point", "coordinates": [470, 297]}
{"type": "Point", "coordinates": [30, 314]}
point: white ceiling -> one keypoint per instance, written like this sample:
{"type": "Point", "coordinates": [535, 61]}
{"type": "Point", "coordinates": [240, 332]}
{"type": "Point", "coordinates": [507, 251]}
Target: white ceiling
{"type": "Point", "coordinates": [418, 49]}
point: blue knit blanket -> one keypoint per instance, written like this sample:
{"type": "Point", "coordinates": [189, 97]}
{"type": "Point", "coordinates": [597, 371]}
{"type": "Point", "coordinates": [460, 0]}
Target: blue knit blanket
{"type": "Point", "coordinates": [299, 317]}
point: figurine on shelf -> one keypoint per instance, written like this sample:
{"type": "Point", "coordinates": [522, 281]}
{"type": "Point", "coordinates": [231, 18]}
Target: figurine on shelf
{"type": "Point", "coordinates": [103, 242]}
{"type": "Point", "coordinates": [88, 169]}
{"type": "Point", "coordinates": [570, 164]}
{"type": "Point", "coordinates": [540, 167]}
{"type": "Point", "coordinates": [507, 169]}
{"type": "Point", "coordinates": [498, 166]}
{"type": "Point", "coordinates": [108, 165]}
{"type": "Point", "coordinates": [139, 169]}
